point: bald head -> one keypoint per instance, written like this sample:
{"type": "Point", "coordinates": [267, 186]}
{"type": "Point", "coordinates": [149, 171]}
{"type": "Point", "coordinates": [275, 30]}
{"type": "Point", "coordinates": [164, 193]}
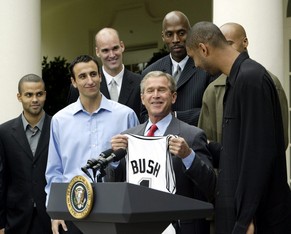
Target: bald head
{"type": "Point", "coordinates": [106, 33]}
{"type": "Point", "coordinates": [235, 35]}
{"type": "Point", "coordinates": [176, 17]}
{"type": "Point", "coordinates": [109, 49]}
{"type": "Point", "coordinates": [174, 32]}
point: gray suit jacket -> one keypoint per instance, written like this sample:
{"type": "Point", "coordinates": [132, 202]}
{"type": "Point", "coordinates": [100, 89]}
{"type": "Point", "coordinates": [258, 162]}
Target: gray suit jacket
{"type": "Point", "coordinates": [197, 182]}
{"type": "Point", "coordinates": [190, 89]}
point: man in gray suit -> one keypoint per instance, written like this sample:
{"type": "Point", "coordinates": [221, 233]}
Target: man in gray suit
{"type": "Point", "coordinates": [191, 82]}
{"type": "Point", "coordinates": [194, 174]}
{"type": "Point", "coordinates": [109, 48]}
{"type": "Point", "coordinates": [23, 158]}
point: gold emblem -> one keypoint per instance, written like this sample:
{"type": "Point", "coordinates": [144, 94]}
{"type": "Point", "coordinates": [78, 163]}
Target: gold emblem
{"type": "Point", "coordinates": [79, 197]}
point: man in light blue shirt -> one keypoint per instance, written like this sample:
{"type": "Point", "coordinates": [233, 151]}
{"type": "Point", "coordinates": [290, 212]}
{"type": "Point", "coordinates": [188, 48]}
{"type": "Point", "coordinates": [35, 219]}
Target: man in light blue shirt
{"type": "Point", "coordinates": [83, 129]}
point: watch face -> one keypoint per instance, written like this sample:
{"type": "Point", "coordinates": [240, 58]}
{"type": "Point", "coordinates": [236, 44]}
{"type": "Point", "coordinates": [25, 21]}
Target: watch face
{"type": "Point", "coordinates": [79, 197]}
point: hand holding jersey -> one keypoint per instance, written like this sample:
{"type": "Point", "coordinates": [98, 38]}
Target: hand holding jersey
{"type": "Point", "coordinates": [177, 145]}
{"type": "Point", "coordinates": [151, 160]}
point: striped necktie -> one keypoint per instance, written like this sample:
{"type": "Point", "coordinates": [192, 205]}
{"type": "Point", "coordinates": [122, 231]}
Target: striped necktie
{"type": "Point", "coordinates": [177, 73]}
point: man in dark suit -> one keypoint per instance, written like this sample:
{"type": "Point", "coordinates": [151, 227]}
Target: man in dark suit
{"type": "Point", "coordinates": [109, 48]}
{"type": "Point", "coordinates": [194, 174]}
{"type": "Point", "coordinates": [23, 158]}
{"type": "Point", "coordinates": [191, 82]}
{"type": "Point", "coordinates": [252, 191]}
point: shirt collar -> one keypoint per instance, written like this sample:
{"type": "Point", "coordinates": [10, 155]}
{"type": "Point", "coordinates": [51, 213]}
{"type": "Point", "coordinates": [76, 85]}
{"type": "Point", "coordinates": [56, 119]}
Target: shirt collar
{"type": "Point", "coordinates": [117, 78]}
{"type": "Point", "coordinates": [104, 105]}
{"type": "Point", "coordinates": [162, 124]}
{"type": "Point", "coordinates": [38, 125]}
{"type": "Point", "coordinates": [235, 67]}
{"type": "Point", "coordinates": [182, 63]}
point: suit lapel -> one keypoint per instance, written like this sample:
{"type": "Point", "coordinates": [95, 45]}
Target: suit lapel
{"type": "Point", "coordinates": [140, 129]}
{"type": "Point", "coordinates": [188, 72]}
{"type": "Point", "coordinates": [44, 137]}
{"type": "Point", "coordinates": [103, 86]}
{"type": "Point", "coordinates": [126, 88]}
{"type": "Point", "coordinates": [173, 128]}
{"type": "Point", "coordinates": [167, 65]}
{"type": "Point", "coordinates": [20, 136]}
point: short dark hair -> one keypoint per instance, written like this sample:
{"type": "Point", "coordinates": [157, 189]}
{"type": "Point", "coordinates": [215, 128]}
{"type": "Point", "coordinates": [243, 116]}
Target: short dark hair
{"type": "Point", "coordinates": [81, 59]}
{"type": "Point", "coordinates": [29, 78]}
{"type": "Point", "coordinates": [206, 33]}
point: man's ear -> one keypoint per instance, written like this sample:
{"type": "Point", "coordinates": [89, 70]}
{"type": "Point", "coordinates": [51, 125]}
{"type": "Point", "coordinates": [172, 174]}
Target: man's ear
{"type": "Point", "coordinates": [73, 82]}
{"type": "Point", "coordinates": [203, 49]}
{"type": "Point", "coordinates": [19, 97]}
{"type": "Point", "coordinates": [174, 95]}
{"type": "Point", "coordinates": [163, 36]}
{"type": "Point", "coordinates": [97, 52]}
{"type": "Point", "coordinates": [245, 43]}
{"type": "Point", "coordinates": [142, 98]}
{"type": "Point", "coordinates": [122, 46]}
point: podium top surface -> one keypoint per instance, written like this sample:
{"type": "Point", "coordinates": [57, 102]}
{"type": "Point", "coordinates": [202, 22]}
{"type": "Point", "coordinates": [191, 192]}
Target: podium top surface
{"type": "Point", "coordinates": [120, 202]}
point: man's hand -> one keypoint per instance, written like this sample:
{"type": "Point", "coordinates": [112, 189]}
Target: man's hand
{"type": "Point", "coordinates": [119, 141]}
{"type": "Point", "coordinates": [178, 146]}
{"type": "Point", "coordinates": [55, 225]}
{"type": "Point", "coordinates": [251, 228]}
{"type": "Point", "coordinates": [2, 231]}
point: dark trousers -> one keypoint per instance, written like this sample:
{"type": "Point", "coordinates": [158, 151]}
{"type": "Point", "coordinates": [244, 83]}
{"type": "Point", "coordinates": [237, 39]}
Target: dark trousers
{"type": "Point", "coordinates": [37, 226]}
{"type": "Point", "coordinates": [199, 226]}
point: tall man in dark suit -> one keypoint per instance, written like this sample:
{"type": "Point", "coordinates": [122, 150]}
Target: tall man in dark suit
{"type": "Point", "coordinates": [23, 158]}
{"type": "Point", "coordinates": [194, 174]}
{"type": "Point", "coordinates": [252, 191]}
{"type": "Point", "coordinates": [191, 82]}
{"type": "Point", "coordinates": [210, 119]}
{"type": "Point", "coordinates": [109, 48]}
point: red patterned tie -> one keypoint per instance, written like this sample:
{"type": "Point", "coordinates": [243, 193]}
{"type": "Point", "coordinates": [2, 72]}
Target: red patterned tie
{"type": "Point", "coordinates": [152, 130]}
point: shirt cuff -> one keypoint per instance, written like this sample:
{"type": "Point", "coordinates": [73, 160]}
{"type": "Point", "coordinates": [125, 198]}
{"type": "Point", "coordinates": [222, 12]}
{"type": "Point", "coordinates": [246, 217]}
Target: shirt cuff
{"type": "Point", "coordinates": [187, 161]}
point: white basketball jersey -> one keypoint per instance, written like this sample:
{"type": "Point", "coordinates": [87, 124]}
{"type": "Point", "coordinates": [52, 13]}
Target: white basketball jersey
{"type": "Point", "coordinates": [149, 164]}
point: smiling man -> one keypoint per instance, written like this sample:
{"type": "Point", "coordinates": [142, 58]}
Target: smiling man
{"type": "Point", "coordinates": [109, 48]}
{"type": "Point", "coordinates": [191, 159]}
{"type": "Point", "coordinates": [83, 129]}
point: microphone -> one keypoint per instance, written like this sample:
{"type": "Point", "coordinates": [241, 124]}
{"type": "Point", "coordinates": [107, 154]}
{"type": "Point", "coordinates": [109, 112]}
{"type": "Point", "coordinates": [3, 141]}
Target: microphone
{"type": "Point", "coordinates": [114, 157]}
{"type": "Point", "coordinates": [92, 162]}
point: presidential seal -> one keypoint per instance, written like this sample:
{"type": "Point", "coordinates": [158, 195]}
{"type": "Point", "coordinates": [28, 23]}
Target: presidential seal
{"type": "Point", "coordinates": [79, 197]}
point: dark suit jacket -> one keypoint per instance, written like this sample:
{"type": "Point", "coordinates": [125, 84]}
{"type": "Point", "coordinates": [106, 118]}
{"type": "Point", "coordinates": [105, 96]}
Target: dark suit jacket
{"type": "Point", "coordinates": [22, 177]}
{"type": "Point", "coordinates": [252, 180]}
{"type": "Point", "coordinates": [198, 181]}
{"type": "Point", "coordinates": [190, 89]}
{"type": "Point", "coordinates": [129, 92]}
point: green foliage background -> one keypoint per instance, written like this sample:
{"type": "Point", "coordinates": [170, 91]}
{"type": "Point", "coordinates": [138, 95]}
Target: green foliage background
{"type": "Point", "coordinates": [56, 76]}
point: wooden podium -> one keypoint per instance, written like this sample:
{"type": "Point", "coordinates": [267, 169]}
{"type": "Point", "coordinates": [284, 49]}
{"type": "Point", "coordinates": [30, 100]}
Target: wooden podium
{"type": "Point", "coordinates": [125, 208]}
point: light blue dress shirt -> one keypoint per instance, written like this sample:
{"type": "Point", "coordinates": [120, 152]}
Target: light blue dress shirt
{"type": "Point", "coordinates": [162, 127]}
{"type": "Point", "coordinates": [77, 136]}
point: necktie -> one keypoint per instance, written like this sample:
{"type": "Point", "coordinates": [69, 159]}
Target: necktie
{"type": "Point", "coordinates": [177, 73]}
{"type": "Point", "coordinates": [32, 138]}
{"type": "Point", "coordinates": [152, 130]}
{"type": "Point", "coordinates": [113, 90]}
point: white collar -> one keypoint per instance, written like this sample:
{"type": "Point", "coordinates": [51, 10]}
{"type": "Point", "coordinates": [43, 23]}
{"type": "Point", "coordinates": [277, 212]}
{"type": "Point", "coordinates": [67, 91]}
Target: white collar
{"type": "Point", "coordinates": [117, 78]}
{"type": "Point", "coordinates": [182, 63]}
